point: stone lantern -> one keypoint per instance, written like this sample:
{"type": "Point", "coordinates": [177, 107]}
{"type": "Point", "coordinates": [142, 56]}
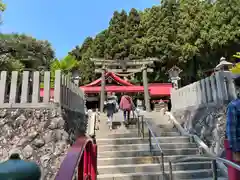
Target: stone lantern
{"type": "Point", "coordinates": [76, 76]}
{"type": "Point", "coordinates": [174, 76]}
{"type": "Point", "coordinates": [223, 65]}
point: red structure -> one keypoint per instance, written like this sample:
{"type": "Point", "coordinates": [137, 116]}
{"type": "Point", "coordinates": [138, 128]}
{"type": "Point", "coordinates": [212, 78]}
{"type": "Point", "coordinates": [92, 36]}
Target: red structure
{"type": "Point", "coordinates": [120, 86]}
{"type": "Point", "coordinates": [82, 156]}
{"type": "Point", "coordinates": [233, 174]}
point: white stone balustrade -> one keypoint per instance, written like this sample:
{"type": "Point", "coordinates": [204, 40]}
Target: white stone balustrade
{"type": "Point", "coordinates": [217, 88]}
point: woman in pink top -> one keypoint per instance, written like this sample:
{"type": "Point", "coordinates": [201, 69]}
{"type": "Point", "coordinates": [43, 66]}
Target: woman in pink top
{"type": "Point", "coordinates": [126, 105]}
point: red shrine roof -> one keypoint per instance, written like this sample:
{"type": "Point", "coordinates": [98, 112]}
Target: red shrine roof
{"type": "Point", "coordinates": [155, 89]}
{"type": "Point", "coordinates": [113, 76]}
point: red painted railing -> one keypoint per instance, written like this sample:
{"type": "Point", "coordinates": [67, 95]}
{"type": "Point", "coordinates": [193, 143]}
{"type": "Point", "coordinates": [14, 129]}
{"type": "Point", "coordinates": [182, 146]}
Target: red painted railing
{"type": "Point", "coordinates": [81, 157]}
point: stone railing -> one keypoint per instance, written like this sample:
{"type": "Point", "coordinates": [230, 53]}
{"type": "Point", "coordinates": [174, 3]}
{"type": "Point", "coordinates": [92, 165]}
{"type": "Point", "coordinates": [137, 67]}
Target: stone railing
{"type": "Point", "coordinates": [40, 123]}
{"type": "Point", "coordinates": [200, 108]}
{"type": "Point", "coordinates": [215, 89]}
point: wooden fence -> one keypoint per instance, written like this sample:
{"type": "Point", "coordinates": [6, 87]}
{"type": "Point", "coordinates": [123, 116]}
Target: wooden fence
{"type": "Point", "coordinates": [33, 90]}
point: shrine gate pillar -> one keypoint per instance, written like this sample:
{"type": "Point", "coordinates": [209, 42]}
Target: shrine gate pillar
{"type": "Point", "coordinates": [102, 96]}
{"type": "Point", "coordinates": [145, 85]}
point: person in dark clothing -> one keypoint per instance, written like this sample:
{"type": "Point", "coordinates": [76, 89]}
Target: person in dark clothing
{"type": "Point", "coordinates": [110, 107]}
{"type": "Point", "coordinates": [233, 123]}
{"type": "Point", "coordinates": [169, 105]}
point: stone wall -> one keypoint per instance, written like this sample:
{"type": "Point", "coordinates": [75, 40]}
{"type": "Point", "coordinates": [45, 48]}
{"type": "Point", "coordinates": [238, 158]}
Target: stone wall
{"type": "Point", "coordinates": [40, 135]}
{"type": "Point", "coordinates": [208, 123]}
{"type": "Point", "coordinates": [201, 108]}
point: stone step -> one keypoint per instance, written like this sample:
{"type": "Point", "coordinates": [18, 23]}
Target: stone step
{"type": "Point", "coordinates": [138, 160]}
{"type": "Point", "coordinates": [156, 152]}
{"type": "Point", "coordinates": [117, 134]}
{"type": "Point", "coordinates": [111, 147]}
{"type": "Point", "coordinates": [137, 168]}
{"type": "Point", "coordinates": [177, 175]}
{"type": "Point", "coordinates": [139, 140]}
{"type": "Point", "coordinates": [219, 178]}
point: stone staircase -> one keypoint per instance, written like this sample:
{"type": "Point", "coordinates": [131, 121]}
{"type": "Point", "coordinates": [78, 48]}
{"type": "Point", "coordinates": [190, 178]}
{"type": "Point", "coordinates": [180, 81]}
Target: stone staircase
{"type": "Point", "coordinates": [124, 155]}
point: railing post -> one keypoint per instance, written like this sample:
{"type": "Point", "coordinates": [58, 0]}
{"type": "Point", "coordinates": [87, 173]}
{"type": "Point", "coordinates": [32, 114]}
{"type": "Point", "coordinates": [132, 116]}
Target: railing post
{"type": "Point", "coordinates": [214, 170]}
{"type": "Point", "coordinates": [170, 171]}
{"type": "Point", "coordinates": [138, 125]}
{"type": "Point", "coordinates": [162, 157]}
{"type": "Point", "coordinates": [150, 140]}
{"type": "Point", "coordinates": [142, 128]}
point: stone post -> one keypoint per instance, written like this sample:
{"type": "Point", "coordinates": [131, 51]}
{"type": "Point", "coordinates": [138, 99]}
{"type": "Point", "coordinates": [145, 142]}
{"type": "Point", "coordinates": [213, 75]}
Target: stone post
{"type": "Point", "coordinates": [198, 92]}
{"type": "Point", "coordinates": [173, 97]}
{"type": "Point", "coordinates": [213, 88]}
{"type": "Point", "coordinates": [203, 91]}
{"type": "Point", "coordinates": [102, 96]}
{"type": "Point", "coordinates": [208, 88]}
{"type": "Point", "coordinates": [145, 85]}
{"type": "Point", "coordinates": [231, 90]}
{"type": "Point", "coordinates": [221, 94]}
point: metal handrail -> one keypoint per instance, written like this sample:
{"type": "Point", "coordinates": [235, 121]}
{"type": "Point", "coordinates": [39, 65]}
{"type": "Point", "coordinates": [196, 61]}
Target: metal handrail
{"type": "Point", "coordinates": [214, 164]}
{"type": "Point", "coordinates": [150, 136]}
{"type": "Point", "coordinates": [81, 156]}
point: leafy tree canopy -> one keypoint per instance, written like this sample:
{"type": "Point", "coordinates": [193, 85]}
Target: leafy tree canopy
{"type": "Point", "coordinates": [192, 34]}
{"type": "Point", "coordinates": [26, 50]}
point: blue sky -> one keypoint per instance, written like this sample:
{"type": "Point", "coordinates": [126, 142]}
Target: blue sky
{"type": "Point", "coordinates": [64, 24]}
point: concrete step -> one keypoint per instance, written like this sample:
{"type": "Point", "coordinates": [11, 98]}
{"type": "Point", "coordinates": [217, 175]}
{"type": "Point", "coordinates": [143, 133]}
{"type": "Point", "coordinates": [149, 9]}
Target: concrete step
{"type": "Point", "coordinates": [111, 147]}
{"type": "Point", "coordinates": [137, 168]}
{"type": "Point", "coordinates": [139, 140]}
{"type": "Point", "coordinates": [177, 175]}
{"type": "Point", "coordinates": [138, 160]}
{"type": "Point", "coordinates": [156, 152]}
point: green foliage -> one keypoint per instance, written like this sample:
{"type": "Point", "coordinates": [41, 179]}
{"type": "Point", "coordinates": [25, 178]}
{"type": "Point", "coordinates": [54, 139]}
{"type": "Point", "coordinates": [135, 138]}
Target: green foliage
{"type": "Point", "coordinates": [2, 7]}
{"type": "Point", "coordinates": [67, 64]}
{"type": "Point", "coordinates": [26, 51]}
{"type": "Point", "coordinates": [192, 34]}
{"type": "Point", "coordinates": [237, 55]}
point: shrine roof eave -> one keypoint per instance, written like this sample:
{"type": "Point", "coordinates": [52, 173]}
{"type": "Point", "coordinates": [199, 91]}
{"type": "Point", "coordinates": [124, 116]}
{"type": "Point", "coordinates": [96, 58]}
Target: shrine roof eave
{"type": "Point", "coordinates": [117, 89]}
{"type": "Point", "coordinates": [114, 77]}
{"type": "Point", "coordinates": [155, 90]}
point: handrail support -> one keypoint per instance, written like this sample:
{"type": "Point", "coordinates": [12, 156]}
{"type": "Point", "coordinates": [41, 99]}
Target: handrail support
{"type": "Point", "coordinates": [150, 140]}
{"type": "Point", "coordinates": [142, 127]}
{"type": "Point", "coordinates": [162, 158]}
{"type": "Point", "coordinates": [214, 169]}
{"type": "Point", "coordinates": [170, 171]}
